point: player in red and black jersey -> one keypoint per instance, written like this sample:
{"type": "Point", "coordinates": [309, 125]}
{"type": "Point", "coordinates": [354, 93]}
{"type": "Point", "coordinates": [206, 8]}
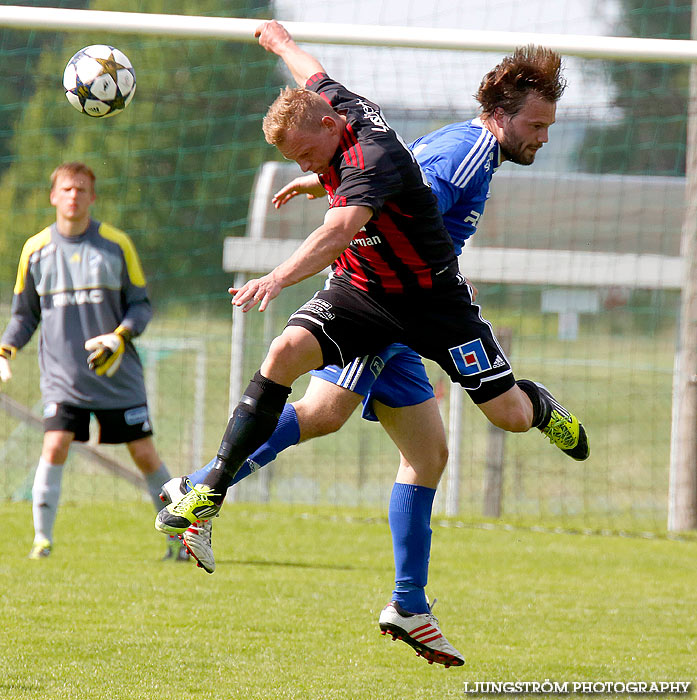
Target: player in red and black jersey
{"type": "Point", "coordinates": [404, 246]}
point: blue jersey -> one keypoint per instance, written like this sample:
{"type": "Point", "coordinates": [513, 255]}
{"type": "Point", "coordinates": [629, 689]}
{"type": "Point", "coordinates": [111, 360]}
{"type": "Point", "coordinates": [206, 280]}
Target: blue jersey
{"type": "Point", "coordinates": [459, 161]}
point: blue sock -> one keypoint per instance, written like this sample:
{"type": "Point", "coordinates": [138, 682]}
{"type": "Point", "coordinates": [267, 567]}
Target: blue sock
{"type": "Point", "coordinates": [410, 523]}
{"type": "Point", "coordinates": [287, 434]}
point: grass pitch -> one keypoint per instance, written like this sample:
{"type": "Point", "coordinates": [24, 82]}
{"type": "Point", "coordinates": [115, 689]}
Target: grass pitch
{"type": "Point", "coordinates": [291, 611]}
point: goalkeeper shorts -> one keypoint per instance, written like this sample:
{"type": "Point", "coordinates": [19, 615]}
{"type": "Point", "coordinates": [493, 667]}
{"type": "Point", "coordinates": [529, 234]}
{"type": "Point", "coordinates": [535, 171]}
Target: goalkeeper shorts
{"type": "Point", "coordinates": [116, 426]}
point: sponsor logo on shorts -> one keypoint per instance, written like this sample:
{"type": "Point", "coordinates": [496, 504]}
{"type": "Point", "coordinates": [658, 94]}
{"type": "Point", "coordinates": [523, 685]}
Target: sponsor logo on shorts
{"type": "Point", "coordinates": [136, 415]}
{"type": "Point", "coordinates": [470, 358]}
{"type": "Point", "coordinates": [318, 307]}
{"type": "Point", "coordinates": [376, 366]}
{"type": "Point", "coordinates": [50, 410]}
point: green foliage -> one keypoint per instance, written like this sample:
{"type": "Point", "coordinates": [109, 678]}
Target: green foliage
{"type": "Point", "coordinates": [291, 611]}
{"type": "Point", "coordinates": [650, 99]}
{"type": "Point", "coordinates": [176, 168]}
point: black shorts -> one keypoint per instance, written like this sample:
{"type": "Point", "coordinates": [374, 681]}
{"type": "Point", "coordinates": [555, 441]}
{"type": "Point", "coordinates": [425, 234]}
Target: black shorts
{"type": "Point", "coordinates": [115, 425]}
{"type": "Point", "coordinates": [443, 325]}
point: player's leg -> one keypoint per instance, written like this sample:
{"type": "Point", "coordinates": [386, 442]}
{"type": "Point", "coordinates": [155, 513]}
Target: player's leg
{"type": "Point", "coordinates": [292, 354]}
{"type": "Point", "coordinates": [313, 338]}
{"type": "Point", "coordinates": [454, 334]}
{"type": "Point", "coordinates": [132, 427]}
{"type": "Point", "coordinates": [418, 433]}
{"type": "Point", "coordinates": [531, 405]}
{"type": "Point", "coordinates": [403, 400]}
{"type": "Point", "coordinates": [324, 408]}
{"type": "Point", "coordinates": [62, 425]}
{"type": "Point", "coordinates": [46, 489]}
{"type": "Point", "coordinates": [156, 475]}
{"type": "Point", "coordinates": [153, 469]}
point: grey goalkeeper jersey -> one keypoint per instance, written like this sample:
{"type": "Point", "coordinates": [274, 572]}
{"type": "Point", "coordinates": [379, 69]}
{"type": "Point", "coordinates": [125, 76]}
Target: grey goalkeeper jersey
{"type": "Point", "coordinates": [77, 288]}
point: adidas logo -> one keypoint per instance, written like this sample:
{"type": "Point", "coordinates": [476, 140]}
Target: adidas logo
{"type": "Point", "coordinates": [204, 512]}
{"type": "Point", "coordinates": [499, 362]}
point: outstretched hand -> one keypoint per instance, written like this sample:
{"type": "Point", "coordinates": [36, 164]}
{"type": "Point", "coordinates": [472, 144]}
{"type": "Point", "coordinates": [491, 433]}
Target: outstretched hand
{"type": "Point", "coordinates": [306, 184]}
{"type": "Point", "coordinates": [256, 291]}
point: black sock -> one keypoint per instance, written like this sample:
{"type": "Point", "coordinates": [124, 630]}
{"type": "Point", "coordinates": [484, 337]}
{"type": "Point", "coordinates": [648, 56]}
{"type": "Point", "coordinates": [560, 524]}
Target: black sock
{"type": "Point", "coordinates": [251, 425]}
{"type": "Point", "coordinates": [541, 408]}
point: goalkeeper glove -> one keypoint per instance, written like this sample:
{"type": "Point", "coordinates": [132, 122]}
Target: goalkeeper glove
{"type": "Point", "coordinates": [7, 353]}
{"type": "Point", "coordinates": [107, 351]}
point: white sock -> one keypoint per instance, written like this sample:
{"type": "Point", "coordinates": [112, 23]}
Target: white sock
{"type": "Point", "coordinates": [45, 496]}
{"type": "Point", "coordinates": [154, 481]}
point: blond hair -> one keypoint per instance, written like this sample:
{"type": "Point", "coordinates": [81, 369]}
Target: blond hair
{"type": "Point", "coordinates": [295, 109]}
{"type": "Point", "coordinates": [73, 168]}
{"type": "Point", "coordinates": [530, 69]}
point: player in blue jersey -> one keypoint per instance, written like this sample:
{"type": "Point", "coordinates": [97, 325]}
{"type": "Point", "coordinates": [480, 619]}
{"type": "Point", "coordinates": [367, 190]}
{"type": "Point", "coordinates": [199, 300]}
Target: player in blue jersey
{"type": "Point", "coordinates": [458, 162]}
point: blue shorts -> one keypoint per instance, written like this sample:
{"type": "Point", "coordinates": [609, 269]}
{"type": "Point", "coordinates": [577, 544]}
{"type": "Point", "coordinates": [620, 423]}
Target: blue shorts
{"type": "Point", "coordinates": [395, 377]}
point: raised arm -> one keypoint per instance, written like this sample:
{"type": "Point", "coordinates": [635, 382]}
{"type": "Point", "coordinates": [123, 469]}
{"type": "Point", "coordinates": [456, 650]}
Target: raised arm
{"type": "Point", "coordinates": [317, 251]}
{"type": "Point", "coordinates": [275, 38]}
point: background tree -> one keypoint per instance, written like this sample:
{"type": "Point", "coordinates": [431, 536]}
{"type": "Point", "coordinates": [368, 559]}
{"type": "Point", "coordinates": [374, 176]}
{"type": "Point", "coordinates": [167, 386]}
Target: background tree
{"type": "Point", "coordinates": [175, 169]}
{"type": "Point", "coordinates": [650, 99]}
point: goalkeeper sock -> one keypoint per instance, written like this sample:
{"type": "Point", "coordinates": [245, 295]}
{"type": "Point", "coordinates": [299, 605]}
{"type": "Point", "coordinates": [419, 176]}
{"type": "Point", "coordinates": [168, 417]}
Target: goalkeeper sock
{"type": "Point", "coordinates": [410, 524]}
{"type": "Point", "coordinates": [45, 496]}
{"type": "Point", "coordinates": [286, 434]}
{"type": "Point", "coordinates": [251, 425]}
{"type": "Point", "coordinates": [154, 481]}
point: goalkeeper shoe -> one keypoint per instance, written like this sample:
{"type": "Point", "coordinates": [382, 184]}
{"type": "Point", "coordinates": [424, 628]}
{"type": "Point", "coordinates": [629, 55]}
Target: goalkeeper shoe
{"type": "Point", "coordinates": [420, 631]}
{"type": "Point", "coordinates": [195, 505]}
{"type": "Point", "coordinates": [197, 540]}
{"type": "Point", "coordinates": [563, 428]}
{"type": "Point", "coordinates": [40, 549]}
{"type": "Point", "coordinates": [176, 551]}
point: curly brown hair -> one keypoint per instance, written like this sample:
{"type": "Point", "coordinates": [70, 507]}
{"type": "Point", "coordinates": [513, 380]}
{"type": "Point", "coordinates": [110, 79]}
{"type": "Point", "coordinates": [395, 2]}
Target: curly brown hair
{"type": "Point", "coordinates": [529, 69]}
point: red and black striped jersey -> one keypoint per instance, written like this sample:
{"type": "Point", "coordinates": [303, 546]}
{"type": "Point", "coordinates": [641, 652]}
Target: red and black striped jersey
{"type": "Point", "coordinates": [405, 246]}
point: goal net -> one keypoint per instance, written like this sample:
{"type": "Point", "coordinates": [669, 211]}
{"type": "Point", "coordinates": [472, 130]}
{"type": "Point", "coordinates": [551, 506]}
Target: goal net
{"type": "Point", "coordinates": [577, 258]}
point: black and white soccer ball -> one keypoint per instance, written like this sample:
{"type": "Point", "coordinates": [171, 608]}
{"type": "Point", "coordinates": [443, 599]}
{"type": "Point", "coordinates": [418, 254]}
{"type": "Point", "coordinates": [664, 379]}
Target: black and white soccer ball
{"type": "Point", "coordinates": [99, 81]}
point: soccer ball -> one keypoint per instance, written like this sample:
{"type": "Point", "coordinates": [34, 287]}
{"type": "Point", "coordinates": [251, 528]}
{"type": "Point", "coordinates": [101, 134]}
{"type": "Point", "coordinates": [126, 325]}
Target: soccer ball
{"type": "Point", "coordinates": [99, 81]}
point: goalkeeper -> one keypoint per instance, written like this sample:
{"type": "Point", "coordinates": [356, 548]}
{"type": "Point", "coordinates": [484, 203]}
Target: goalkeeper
{"type": "Point", "coordinates": [82, 281]}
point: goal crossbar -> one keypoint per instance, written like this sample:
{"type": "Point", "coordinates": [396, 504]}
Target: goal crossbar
{"type": "Point", "coordinates": [239, 29]}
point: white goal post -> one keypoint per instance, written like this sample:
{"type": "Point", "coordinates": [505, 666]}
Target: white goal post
{"type": "Point", "coordinates": [683, 469]}
{"type": "Point", "coordinates": [236, 29]}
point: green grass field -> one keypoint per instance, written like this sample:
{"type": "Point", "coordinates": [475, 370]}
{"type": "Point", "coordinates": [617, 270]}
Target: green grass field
{"type": "Point", "coordinates": [291, 611]}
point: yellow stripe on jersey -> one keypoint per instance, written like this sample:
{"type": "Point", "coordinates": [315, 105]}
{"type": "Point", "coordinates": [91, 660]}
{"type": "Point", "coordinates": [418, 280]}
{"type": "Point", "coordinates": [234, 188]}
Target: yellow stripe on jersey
{"type": "Point", "coordinates": [135, 271]}
{"type": "Point", "coordinates": [32, 244]}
